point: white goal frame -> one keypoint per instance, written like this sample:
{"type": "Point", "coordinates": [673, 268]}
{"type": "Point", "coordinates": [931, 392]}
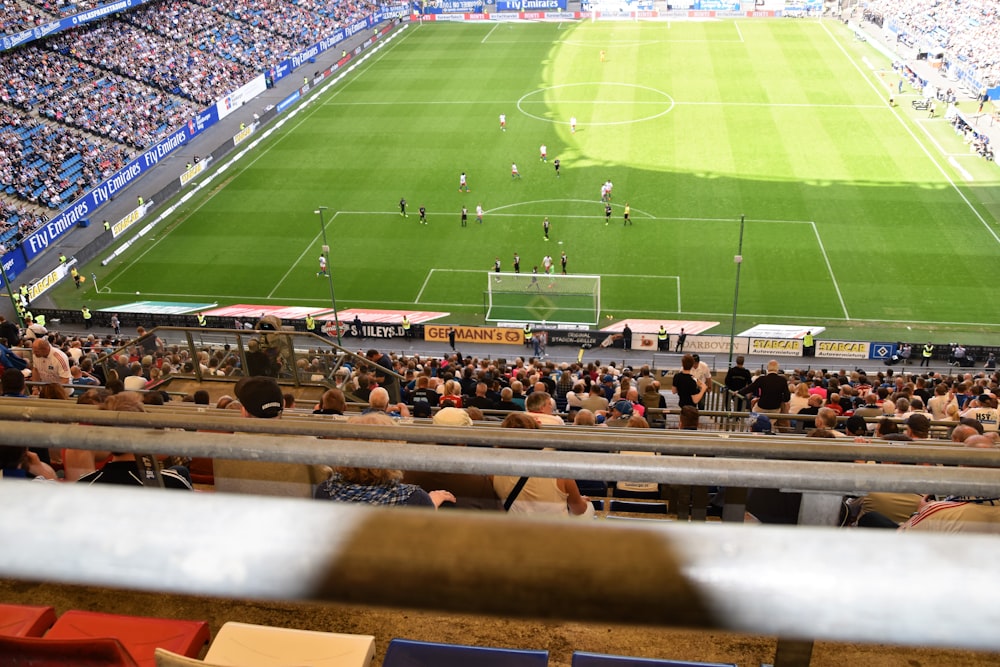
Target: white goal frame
{"type": "Point", "coordinates": [551, 298]}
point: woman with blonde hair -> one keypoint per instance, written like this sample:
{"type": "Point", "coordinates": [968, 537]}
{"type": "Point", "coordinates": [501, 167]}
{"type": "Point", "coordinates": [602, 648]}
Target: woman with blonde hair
{"type": "Point", "coordinates": [800, 398]}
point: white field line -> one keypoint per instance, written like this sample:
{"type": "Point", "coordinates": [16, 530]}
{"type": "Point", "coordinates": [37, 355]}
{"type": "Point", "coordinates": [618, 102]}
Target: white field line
{"type": "Point", "coordinates": [489, 33]}
{"type": "Point", "coordinates": [829, 268]}
{"type": "Point", "coordinates": [234, 160]}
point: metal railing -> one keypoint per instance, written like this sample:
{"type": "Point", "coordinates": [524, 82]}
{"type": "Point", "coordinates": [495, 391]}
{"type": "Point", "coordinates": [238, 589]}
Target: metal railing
{"type": "Point", "coordinates": [791, 582]}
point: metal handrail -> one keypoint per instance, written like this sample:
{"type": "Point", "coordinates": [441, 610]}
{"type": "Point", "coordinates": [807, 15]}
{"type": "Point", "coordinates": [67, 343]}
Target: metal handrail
{"type": "Point", "coordinates": [794, 582]}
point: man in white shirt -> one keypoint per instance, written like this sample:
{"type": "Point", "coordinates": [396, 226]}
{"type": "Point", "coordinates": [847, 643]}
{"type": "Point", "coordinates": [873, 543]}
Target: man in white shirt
{"type": "Point", "coordinates": [48, 364]}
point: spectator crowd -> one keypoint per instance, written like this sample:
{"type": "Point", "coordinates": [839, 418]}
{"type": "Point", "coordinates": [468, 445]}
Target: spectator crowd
{"type": "Point", "coordinates": [77, 106]}
{"type": "Point", "coordinates": [966, 32]}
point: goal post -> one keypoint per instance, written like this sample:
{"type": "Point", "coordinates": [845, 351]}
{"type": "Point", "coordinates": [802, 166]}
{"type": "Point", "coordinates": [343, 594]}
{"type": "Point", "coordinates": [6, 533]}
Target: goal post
{"type": "Point", "coordinates": [552, 298]}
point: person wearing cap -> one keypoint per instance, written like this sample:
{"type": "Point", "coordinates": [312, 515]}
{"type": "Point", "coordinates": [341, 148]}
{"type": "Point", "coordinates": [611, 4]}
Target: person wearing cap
{"type": "Point", "coordinates": [377, 486]}
{"type": "Point", "coordinates": [261, 397]}
{"type": "Point", "coordinates": [471, 491]}
{"type": "Point", "coordinates": [621, 411]}
{"type": "Point", "coordinates": [760, 424]}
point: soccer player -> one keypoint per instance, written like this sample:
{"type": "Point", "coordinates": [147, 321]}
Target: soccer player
{"type": "Point", "coordinates": [572, 124]}
{"type": "Point", "coordinates": [603, 55]}
{"type": "Point", "coordinates": [503, 122]}
{"type": "Point", "coordinates": [496, 270]}
{"type": "Point", "coordinates": [402, 207]}
{"type": "Point", "coordinates": [547, 264]}
{"type": "Point", "coordinates": [607, 213]}
{"type": "Point", "coordinates": [604, 192]}
{"type": "Point", "coordinates": [555, 163]}
{"type": "Point", "coordinates": [628, 211]}
{"type": "Point", "coordinates": [479, 213]}
{"type": "Point", "coordinates": [545, 227]}
{"type": "Point", "coordinates": [322, 266]}
{"type": "Point", "coordinates": [517, 263]}
{"type": "Point", "coordinates": [462, 184]}
{"type": "Point", "coordinates": [543, 151]}
{"type": "Point", "coordinates": [609, 185]}
{"type": "Point", "coordinates": [562, 260]}
{"type": "Point", "coordinates": [513, 170]}
{"type": "Point", "coordinates": [534, 280]}
{"type": "Point", "coordinates": [423, 215]}
{"type": "Point", "coordinates": [465, 216]}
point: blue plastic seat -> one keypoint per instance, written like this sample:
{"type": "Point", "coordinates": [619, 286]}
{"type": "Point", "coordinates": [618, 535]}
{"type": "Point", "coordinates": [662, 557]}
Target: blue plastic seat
{"type": "Point", "coordinates": [584, 659]}
{"type": "Point", "coordinates": [409, 653]}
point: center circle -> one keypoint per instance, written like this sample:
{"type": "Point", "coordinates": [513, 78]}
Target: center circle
{"type": "Point", "coordinates": [584, 97]}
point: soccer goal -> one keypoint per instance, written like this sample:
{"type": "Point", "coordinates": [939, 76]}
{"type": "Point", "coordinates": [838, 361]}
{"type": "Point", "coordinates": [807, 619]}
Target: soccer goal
{"type": "Point", "coordinates": [554, 298]}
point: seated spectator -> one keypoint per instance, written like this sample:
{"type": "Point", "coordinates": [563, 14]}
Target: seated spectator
{"type": "Point", "coordinates": [331, 403]}
{"type": "Point", "coordinates": [377, 486]}
{"type": "Point", "coordinates": [122, 469]}
{"type": "Point", "coordinates": [537, 495]}
{"type": "Point", "coordinates": [378, 401]}
{"type": "Point", "coordinates": [20, 463]}
{"type": "Point", "coordinates": [689, 418]}
{"type": "Point", "coordinates": [540, 405]}
{"type": "Point", "coordinates": [470, 491]}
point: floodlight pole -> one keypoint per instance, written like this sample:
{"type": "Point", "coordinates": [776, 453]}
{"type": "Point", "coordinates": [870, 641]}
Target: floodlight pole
{"type": "Point", "coordinates": [738, 260]}
{"type": "Point", "coordinates": [329, 271]}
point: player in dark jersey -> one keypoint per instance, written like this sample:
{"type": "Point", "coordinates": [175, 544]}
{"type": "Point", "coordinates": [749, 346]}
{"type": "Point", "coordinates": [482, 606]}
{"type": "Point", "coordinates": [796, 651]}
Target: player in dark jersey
{"type": "Point", "coordinates": [423, 215]}
{"type": "Point", "coordinates": [465, 216]}
{"type": "Point", "coordinates": [555, 163]}
{"type": "Point", "coordinates": [607, 213]}
{"type": "Point", "coordinates": [402, 207]}
{"type": "Point", "coordinates": [517, 263]}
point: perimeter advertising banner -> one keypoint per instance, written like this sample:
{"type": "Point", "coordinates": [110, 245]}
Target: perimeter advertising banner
{"type": "Point", "coordinates": [842, 349]}
{"type": "Point", "coordinates": [775, 347]}
{"type": "Point", "coordinates": [529, 5]}
{"type": "Point", "coordinates": [436, 333]}
{"type": "Point", "coordinates": [713, 344]}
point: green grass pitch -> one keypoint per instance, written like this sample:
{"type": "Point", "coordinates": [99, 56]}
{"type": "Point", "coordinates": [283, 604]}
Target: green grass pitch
{"type": "Point", "coordinates": [861, 217]}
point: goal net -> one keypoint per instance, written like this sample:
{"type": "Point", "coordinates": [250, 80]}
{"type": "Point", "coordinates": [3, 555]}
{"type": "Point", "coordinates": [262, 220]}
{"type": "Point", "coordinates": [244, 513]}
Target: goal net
{"type": "Point", "coordinates": [553, 298]}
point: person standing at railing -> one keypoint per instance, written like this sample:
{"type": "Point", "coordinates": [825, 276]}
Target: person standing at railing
{"type": "Point", "coordinates": [737, 379]}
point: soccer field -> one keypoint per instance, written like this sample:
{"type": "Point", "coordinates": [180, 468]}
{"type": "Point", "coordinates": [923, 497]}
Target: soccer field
{"type": "Point", "coordinates": [860, 217]}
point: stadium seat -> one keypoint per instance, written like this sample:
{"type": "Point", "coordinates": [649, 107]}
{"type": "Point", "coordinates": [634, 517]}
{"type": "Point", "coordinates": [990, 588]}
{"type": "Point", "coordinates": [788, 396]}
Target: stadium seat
{"type": "Point", "coordinates": [584, 659]}
{"type": "Point", "coordinates": [637, 507]}
{"type": "Point", "coordinates": [17, 620]}
{"type": "Point", "coordinates": [409, 653]}
{"type": "Point", "coordinates": [41, 652]}
{"type": "Point", "coordinates": [244, 645]}
{"type": "Point", "coordinates": [140, 635]}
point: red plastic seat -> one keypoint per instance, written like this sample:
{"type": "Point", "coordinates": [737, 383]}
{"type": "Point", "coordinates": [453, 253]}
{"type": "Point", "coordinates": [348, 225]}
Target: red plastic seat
{"type": "Point", "coordinates": [141, 635]}
{"type": "Point", "coordinates": [41, 652]}
{"type": "Point", "coordinates": [21, 620]}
